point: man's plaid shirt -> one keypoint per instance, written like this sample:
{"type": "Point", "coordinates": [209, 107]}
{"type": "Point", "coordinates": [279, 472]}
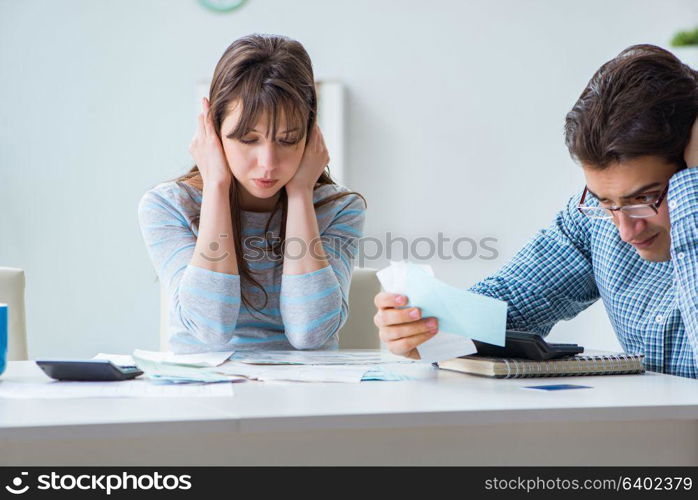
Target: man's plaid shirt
{"type": "Point", "coordinates": [653, 306]}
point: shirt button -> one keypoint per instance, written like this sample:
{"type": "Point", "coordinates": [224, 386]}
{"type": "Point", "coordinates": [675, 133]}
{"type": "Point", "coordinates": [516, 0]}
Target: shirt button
{"type": "Point", "coordinates": [672, 204]}
{"type": "Point", "coordinates": [681, 255]}
{"type": "Point", "coordinates": [659, 318]}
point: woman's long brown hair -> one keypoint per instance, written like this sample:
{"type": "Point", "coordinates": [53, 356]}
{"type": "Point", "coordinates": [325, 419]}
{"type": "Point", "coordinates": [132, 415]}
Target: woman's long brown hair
{"type": "Point", "coordinates": [273, 75]}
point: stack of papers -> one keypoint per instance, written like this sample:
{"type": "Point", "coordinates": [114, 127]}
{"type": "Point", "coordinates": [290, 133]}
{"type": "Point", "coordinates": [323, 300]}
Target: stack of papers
{"type": "Point", "coordinates": [350, 365]}
{"type": "Point", "coordinates": [347, 365]}
{"type": "Point", "coordinates": [341, 357]}
{"type": "Point", "coordinates": [201, 359]}
{"type": "Point", "coordinates": [309, 373]}
{"type": "Point", "coordinates": [170, 368]}
{"type": "Point", "coordinates": [463, 316]}
{"type": "Point", "coordinates": [181, 374]}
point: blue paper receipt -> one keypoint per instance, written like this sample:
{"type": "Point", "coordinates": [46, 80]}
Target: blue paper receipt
{"type": "Point", "coordinates": [463, 316]}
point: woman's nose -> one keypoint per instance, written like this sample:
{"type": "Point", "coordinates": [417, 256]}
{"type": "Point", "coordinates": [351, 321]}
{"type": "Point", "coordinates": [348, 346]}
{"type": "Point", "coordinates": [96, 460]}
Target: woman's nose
{"type": "Point", "coordinates": [267, 155]}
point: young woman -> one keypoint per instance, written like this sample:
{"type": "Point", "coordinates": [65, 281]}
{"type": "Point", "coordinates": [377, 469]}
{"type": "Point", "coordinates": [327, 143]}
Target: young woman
{"type": "Point", "coordinates": [256, 244]}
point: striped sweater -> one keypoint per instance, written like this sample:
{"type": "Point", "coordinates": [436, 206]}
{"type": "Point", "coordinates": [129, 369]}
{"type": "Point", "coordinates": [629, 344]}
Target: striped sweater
{"type": "Point", "coordinates": [206, 314]}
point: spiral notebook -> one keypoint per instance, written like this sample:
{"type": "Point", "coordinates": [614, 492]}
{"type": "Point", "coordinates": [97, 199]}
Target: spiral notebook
{"type": "Point", "coordinates": [595, 364]}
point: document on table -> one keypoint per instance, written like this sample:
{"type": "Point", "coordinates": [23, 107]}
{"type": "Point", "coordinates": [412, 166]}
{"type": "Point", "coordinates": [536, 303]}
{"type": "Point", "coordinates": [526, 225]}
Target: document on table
{"type": "Point", "coordinates": [310, 373]}
{"type": "Point", "coordinates": [338, 357]}
{"type": "Point", "coordinates": [123, 389]}
{"type": "Point", "coordinates": [200, 359]}
{"type": "Point", "coordinates": [117, 359]}
{"type": "Point", "coordinates": [462, 315]}
{"type": "Point", "coordinates": [181, 374]}
{"type": "Point", "coordinates": [349, 365]}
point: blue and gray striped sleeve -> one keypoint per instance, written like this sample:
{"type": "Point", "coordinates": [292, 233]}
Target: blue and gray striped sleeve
{"type": "Point", "coordinates": [207, 303]}
{"type": "Point", "coordinates": [314, 306]}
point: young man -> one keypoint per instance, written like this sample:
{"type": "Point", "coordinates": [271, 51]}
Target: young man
{"type": "Point", "coordinates": [630, 237]}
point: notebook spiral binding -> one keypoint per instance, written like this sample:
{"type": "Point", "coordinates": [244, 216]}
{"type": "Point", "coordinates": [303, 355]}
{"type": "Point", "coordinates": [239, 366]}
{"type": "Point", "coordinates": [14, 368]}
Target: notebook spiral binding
{"type": "Point", "coordinates": [588, 365]}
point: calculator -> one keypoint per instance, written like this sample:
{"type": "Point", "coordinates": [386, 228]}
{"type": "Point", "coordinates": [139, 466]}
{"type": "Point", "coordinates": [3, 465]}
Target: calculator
{"type": "Point", "coordinates": [101, 370]}
{"type": "Point", "coordinates": [527, 345]}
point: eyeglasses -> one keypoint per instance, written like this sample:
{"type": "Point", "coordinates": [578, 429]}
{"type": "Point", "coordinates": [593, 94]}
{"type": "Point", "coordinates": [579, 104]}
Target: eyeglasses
{"type": "Point", "coordinates": [633, 211]}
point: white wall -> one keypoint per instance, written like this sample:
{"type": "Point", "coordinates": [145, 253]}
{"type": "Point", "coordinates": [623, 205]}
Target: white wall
{"type": "Point", "coordinates": [455, 113]}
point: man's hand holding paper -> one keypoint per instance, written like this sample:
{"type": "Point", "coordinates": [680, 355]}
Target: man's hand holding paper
{"type": "Point", "coordinates": [462, 316]}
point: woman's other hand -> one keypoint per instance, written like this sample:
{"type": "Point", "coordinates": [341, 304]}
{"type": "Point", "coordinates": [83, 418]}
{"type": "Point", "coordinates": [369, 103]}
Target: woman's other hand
{"type": "Point", "coordinates": [315, 159]}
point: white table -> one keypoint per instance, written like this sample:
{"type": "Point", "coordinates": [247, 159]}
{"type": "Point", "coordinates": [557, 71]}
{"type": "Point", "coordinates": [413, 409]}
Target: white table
{"type": "Point", "coordinates": [438, 418]}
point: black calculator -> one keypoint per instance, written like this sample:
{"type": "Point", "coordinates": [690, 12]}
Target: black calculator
{"type": "Point", "coordinates": [93, 370]}
{"type": "Point", "coordinates": [527, 345]}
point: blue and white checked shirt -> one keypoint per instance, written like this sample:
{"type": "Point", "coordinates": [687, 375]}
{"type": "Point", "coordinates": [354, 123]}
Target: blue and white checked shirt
{"type": "Point", "coordinates": [653, 306]}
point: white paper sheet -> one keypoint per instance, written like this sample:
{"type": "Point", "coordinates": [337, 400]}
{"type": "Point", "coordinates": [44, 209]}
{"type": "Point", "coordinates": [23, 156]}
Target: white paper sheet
{"type": "Point", "coordinates": [168, 372]}
{"type": "Point", "coordinates": [203, 359]}
{"type": "Point", "coordinates": [338, 357]}
{"type": "Point", "coordinates": [306, 373]}
{"type": "Point", "coordinates": [122, 389]}
{"type": "Point", "coordinates": [117, 359]}
{"type": "Point", "coordinates": [441, 346]}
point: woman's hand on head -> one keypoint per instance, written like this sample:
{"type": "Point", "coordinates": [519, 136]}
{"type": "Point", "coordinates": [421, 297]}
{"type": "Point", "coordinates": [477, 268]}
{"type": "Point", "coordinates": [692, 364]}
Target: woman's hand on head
{"type": "Point", "coordinates": [207, 151]}
{"type": "Point", "coordinates": [315, 159]}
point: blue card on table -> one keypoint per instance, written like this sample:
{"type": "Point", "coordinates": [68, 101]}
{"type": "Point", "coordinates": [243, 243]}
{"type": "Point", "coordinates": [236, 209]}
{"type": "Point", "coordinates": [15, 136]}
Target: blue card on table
{"type": "Point", "coordinates": [558, 387]}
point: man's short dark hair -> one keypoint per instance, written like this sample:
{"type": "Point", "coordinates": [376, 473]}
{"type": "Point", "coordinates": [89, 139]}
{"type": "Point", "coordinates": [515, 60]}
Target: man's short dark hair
{"type": "Point", "coordinates": [642, 102]}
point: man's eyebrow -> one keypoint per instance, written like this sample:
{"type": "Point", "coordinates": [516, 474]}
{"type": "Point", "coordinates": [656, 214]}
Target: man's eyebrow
{"type": "Point", "coordinates": [634, 193]}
